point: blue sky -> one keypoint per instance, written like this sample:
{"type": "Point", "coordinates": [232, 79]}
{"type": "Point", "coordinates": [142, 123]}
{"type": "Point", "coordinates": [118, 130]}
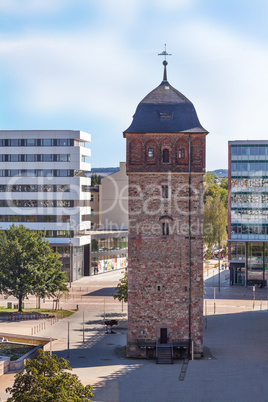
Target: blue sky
{"type": "Point", "coordinates": [86, 64]}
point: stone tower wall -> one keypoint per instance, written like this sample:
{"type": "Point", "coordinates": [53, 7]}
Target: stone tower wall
{"type": "Point", "coordinates": [159, 263]}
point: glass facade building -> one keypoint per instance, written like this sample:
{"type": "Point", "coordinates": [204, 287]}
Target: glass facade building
{"type": "Point", "coordinates": [248, 212]}
{"type": "Point", "coordinates": [109, 251]}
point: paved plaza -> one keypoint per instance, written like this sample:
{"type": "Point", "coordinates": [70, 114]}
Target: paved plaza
{"type": "Point", "coordinates": [234, 368]}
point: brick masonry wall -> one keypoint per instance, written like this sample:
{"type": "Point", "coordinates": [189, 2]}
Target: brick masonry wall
{"type": "Point", "coordinates": [138, 145]}
{"type": "Point", "coordinates": [159, 265]}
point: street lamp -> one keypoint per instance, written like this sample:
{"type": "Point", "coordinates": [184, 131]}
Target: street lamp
{"type": "Point", "coordinates": [71, 262]}
{"type": "Point", "coordinates": [219, 278]}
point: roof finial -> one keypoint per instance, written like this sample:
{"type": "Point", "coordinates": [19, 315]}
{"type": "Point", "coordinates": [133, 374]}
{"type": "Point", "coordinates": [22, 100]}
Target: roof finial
{"type": "Point", "coordinates": [165, 63]}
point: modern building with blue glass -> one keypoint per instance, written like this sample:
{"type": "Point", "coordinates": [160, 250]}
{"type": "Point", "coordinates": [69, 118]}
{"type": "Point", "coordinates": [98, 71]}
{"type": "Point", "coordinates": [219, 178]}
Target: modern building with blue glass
{"type": "Point", "coordinates": [248, 212]}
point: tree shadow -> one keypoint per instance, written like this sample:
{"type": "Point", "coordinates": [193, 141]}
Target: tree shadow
{"type": "Point", "coordinates": [101, 292]}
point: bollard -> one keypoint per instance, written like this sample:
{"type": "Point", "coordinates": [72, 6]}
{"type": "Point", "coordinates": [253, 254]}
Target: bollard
{"type": "Point", "coordinates": [77, 307]}
{"type": "Point", "coordinates": [206, 316]}
{"type": "Point", "coordinates": [68, 339]}
{"type": "Point", "coordinates": [83, 327]}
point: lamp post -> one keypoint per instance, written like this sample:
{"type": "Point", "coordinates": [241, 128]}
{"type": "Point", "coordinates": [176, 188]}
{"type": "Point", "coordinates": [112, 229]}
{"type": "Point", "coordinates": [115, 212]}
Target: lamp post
{"type": "Point", "coordinates": [219, 278]}
{"type": "Point", "coordinates": [71, 262]}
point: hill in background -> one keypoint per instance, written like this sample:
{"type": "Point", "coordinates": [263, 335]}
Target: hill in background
{"type": "Point", "coordinates": [220, 172]}
{"type": "Point", "coordinates": [105, 171]}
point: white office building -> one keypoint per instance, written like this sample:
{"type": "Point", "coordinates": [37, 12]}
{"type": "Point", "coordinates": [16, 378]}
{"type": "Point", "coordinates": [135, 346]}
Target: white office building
{"type": "Point", "coordinates": [43, 186]}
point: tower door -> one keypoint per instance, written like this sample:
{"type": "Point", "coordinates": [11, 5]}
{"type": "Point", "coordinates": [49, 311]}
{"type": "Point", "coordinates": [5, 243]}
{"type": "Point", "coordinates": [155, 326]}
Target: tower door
{"type": "Point", "coordinates": [163, 335]}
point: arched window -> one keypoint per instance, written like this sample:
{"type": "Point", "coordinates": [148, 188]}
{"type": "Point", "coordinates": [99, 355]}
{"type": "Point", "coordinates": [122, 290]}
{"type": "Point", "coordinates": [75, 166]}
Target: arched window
{"type": "Point", "coordinates": [165, 155]}
{"type": "Point", "coordinates": [165, 228]}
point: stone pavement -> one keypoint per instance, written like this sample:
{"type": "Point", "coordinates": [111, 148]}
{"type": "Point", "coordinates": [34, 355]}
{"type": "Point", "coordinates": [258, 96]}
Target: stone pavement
{"type": "Point", "coordinates": [234, 368]}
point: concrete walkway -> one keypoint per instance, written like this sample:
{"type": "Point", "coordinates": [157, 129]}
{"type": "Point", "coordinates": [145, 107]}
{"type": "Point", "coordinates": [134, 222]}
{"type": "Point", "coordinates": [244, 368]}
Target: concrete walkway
{"type": "Point", "coordinates": [234, 368]}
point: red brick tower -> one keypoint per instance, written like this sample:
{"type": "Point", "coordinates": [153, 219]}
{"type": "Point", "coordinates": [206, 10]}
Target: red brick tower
{"type": "Point", "coordinates": [165, 166]}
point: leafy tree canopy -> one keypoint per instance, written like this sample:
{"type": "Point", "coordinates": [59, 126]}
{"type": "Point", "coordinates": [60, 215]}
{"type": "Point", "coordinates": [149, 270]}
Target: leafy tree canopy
{"type": "Point", "coordinates": [121, 291]}
{"type": "Point", "coordinates": [95, 179]}
{"type": "Point", "coordinates": [224, 183]}
{"type": "Point", "coordinates": [28, 265]}
{"type": "Point", "coordinates": [209, 178]}
{"type": "Point", "coordinates": [215, 221]}
{"type": "Point", "coordinates": [46, 380]}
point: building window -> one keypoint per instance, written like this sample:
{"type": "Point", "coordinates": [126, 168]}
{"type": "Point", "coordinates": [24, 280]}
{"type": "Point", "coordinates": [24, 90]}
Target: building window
{"type": "Point", "coordinates": [46, 143]}
{"type": "Point", "coordinates": [63, 188]}
{"type": "Point", "coordinates": [30, 142]}
{"type": "Point", "coordinates": [29, 157]}
{"type": "Point", "coordinates": [63, 203]}
{"type": "Point", "coordinates": [165, 155]}
{"type": "Point", "coordinates": [92, 198]}
{"type": "Point", "coordinates": [46, 188]}
{"type": "Point", "coordinates": [47, 158]}
{"type": "Point", "coordinates": [165, 228]}
{"type": "Point", "coordinates": [165, 116]}
{"type": "Point", "coordinates": [165, 191]}
{"type": "Point", "coordinates": [63, 158]}
{"type": "Point", "coordinates": [30, 218]}
{"type": "Point", "coordinates": [46, 203]}
{"type": "Point", "coordinates": [181, 153]}
{"type": "Point", "coordinates": [150, 153]}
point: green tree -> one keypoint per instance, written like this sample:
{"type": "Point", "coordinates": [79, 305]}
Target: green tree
{"type": "Point", "coordinates": [95, 179]}
{"type": "Point", "coordinates": [28, 265]}
{"type": "Point", "coordinates": [224, 183]}
{"type": "Point", "coordinates": [215, 221]}
{"type": "Point", "coordinates": [46, 380]}
{"type": "Point", "coordinates": [209, 178]}
{"type": "Point", "coordinates": [215, 189]}
{"type": "Point", "coordinates": [121, 291]}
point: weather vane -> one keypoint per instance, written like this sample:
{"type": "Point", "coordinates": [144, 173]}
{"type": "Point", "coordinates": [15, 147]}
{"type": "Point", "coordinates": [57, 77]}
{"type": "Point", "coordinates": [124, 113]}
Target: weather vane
{"type": "Point", "coordinates": [164, 53]}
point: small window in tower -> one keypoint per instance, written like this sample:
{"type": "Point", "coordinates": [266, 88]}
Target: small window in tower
{"type": "Point", "coordinates": [165, 191]}
{"type": "Point", "coordinates": [165, 116]}
{"type": "Point", "coordinates": [150, 152]}
{"type": "Point", "coordinates": [165, 155]}
{"type": "Point", "coordinates": [159, 288]}
{"type": "Point", "coordinates": [165, 228]}
{"type": "Point", "coordinates": [181, 153]}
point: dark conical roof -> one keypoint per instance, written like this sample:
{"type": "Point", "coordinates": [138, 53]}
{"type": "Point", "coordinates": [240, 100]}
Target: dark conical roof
{"type": "Point", "coordinates": [165, 110]}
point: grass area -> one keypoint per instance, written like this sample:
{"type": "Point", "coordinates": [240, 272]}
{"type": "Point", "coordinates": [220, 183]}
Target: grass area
{"type": "Point", "coordinates": [60, 313]}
